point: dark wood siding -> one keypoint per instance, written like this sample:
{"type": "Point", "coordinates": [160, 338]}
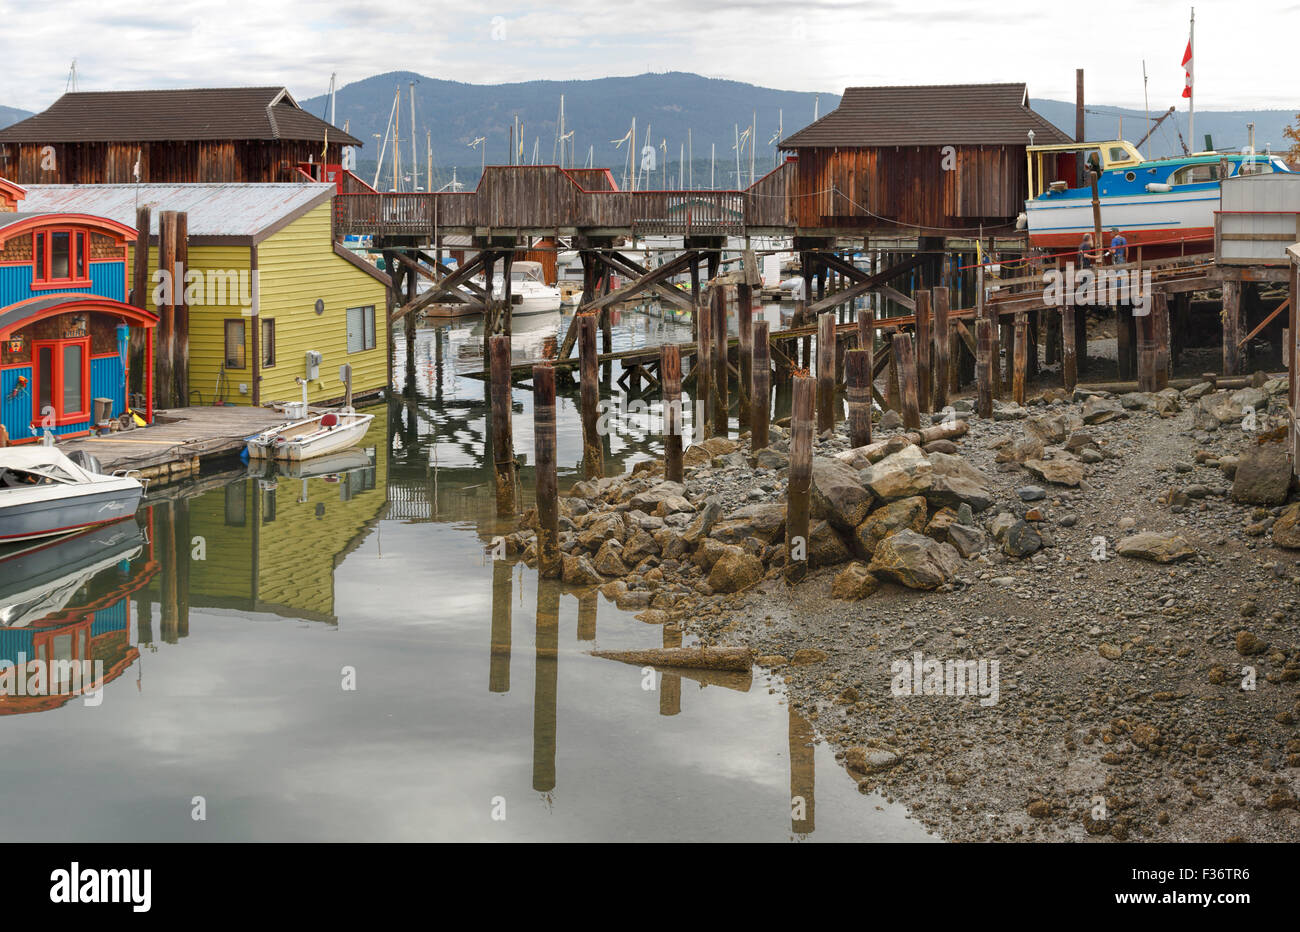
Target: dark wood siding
{"type": "Point", "coordinates": [882, 188]}
{"type": "Point", "coordinates": [203, 161]}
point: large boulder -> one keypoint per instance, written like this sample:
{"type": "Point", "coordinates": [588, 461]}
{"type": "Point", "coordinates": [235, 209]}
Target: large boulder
{"type": "Point", "coordinates": [639, 546]}
{"type": "Point", "coordinates": [904, 514]}
{"type": "Point", "coordinates": [1021, 539]}
{"type": "Point", "coordinates": [648, 500]}
{"type": "Point", "coordinates": [1286, 529]}
{"type": "Point", "coordinates": [838, 495]}
{"type": "Point", "coordinates": [609, 559]}
{"type": "Point", "coordinates": [1159, 548]}
{"type": "Point", "coordinates": [900, 475]}
{"type": "Point", "coordinates": [1263, 475]}
{"type": "Point", "coordinates": [703, 523]}
{"type": "Point", "coordinates": [968, 540]}
{"type": "Point", "coordinates": [915, 560]}
{"type": "Point", "coordinates": [601, 529]}
{"type": "Point", "coordinates": [764, 521]}
{"type": "Point", "coordinates": [854, 582]}
{"type": "Point", "coordinates": [734, 570]}
{"type": "Point", "coordinates": [1062, 469]}
{"type": "Point", "coordinates": [1099, 410]}
{"type": "Point", "coordinates": [825, 546]}
{"type": "Point", "coordinates": [956, 482]}
{"type": "Point", "coordinates": [578, 571]}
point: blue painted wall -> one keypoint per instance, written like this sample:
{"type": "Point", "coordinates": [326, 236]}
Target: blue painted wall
{"type": "Point", "coordinates": [109, 619]}
{"type": "Point", "coordinates": [16, 411]}
{"type": "Point", "coordinates": [106, 381]}
{"type": "Point", "coordinates": [107, 279]}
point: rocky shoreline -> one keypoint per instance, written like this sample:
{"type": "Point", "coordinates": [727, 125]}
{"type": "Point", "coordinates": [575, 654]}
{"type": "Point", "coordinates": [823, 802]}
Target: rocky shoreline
{"type": "Point", "coordinates": [1127, 568]}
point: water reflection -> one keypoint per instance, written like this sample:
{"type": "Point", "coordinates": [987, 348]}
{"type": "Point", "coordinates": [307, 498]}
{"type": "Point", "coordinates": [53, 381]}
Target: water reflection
{"type": "Point", "coordinates": [246, 595]}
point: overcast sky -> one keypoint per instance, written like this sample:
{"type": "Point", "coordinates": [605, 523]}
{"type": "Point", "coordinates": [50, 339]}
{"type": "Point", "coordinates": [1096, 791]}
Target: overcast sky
{"type": "Point", "coordinates": [1244, 50]}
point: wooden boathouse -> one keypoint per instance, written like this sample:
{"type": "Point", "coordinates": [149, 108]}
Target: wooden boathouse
{"type": "Point", "coordinates": [243, 134]}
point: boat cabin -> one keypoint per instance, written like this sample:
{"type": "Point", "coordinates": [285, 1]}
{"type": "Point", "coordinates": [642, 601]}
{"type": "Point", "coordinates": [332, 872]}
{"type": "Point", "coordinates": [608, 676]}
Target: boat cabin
{"type": "Point", "coordinates": [64, 323]}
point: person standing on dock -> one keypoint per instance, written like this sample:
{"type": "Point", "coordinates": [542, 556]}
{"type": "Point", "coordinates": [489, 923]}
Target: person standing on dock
{"type": "Point", "coordinates": [1118, 247]}
{"type": "Point", "coordinates": [1085, 251]}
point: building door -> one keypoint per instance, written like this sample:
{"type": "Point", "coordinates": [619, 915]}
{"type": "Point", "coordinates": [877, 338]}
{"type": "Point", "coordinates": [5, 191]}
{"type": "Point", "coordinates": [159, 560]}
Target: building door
{"type": "Point", "coordinates": [61, 375]}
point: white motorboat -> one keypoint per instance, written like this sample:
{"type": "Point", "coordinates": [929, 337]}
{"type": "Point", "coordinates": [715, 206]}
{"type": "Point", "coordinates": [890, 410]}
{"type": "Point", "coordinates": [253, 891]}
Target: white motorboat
{"type": "Point", "coordinates": [44, 493]}
{"type": "Point", "coordinates": [310, 437]}
{"type": "Point", "coordinates": [529, 293]}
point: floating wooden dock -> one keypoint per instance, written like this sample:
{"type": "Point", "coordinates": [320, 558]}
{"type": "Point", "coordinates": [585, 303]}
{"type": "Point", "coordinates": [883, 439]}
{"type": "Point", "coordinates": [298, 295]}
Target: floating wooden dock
{"type": "Point", "coordinates": [174, 445]}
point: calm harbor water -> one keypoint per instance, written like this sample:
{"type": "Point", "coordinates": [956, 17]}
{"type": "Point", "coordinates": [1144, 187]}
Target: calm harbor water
{"type": "Point", "coordinates": [331, 656]}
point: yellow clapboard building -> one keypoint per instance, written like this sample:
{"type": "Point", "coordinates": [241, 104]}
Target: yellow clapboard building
{"type": "Point", "coordinates": [272, 297]}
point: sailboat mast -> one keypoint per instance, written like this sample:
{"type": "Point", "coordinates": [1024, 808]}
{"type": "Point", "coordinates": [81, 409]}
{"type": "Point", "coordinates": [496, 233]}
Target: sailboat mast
{"type": "Point", "coordinates": [753, 138]}
{"type": "Point", "coordinates": [690, 172]}
{"type": "Point", "coordinates": [415, 162]}
{"type": "Point", "coordinates": [397, 133]}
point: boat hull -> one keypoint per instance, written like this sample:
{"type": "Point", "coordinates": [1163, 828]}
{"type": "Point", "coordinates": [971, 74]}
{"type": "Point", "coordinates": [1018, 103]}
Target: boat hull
{"type": "Point", "coordinates": [105, 502]}
{"type": "Point", "coordinates": [1167, 220]}
{"type": "Point", "coordinates": [318, 443]}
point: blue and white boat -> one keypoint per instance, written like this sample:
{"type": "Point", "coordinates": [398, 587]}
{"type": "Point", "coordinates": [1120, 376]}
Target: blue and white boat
{"type": "Point", "coordinates": [1166, 205]}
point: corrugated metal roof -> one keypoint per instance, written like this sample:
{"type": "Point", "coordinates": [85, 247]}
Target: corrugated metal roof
{"type": "Point", "coordinates": [929, 115]}
{"type": "Point", "coordinates": [174, 115]}
{"type": "Point", "coordinates": [214, 209]}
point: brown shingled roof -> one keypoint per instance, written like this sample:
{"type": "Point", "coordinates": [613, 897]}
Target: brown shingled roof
{"type": "Point", "coordinates": [174, 115]}
{"type": "Point", "coordinates": [929, 115]}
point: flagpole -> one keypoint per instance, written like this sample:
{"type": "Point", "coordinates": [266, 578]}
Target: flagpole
{"type": "Point", "coordinates": [1191, 96]}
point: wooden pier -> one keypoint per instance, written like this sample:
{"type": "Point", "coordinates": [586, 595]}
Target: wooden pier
{"type": "Point", "coordinates": [174, 446]}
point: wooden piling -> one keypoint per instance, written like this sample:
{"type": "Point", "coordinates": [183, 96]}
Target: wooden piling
{"type": "Point", "coordinates": [984, 367]}
{"type": "Point", "coordinates": [165, 343]}
{"type": "Point", "coordinates": [670, 382]}
{"type": "Point", "coordinates": [1123, 338]}
{"type": "Point", "coordinates": [857, 370]}
{"type": "Point", "coordinates": [1021, 358]}
{"type": "Point", "coordinates": [139, 298]}
{"type": "Point", "coordinates": [825, 372]}
{"type": "Point", "coordinates": [181, 320]}
{"type": "Point", "coordinates": [703, 395]}
{"type": "Point", "coordinates": [718, 357]}
{"type": "Point", "coordinates": [1146, 353]}
{"type": "Point", "coordinates": [503, 445]}
{"type": "Point", "coordinates": [593, 465]}
{"type": "Point", "coordinates": [1069, 357]}
{"type": "Point", "coordinates": [905, 354]}
{"type": "Point", "coordinates": [866, 330]}
{"type": "Point", "coordinates": [548, 504]}
{"type": "Point", "coordinates": [499, 650]}
{"type": "Point", "coordinates": [798, 490]}
{"type": "Point", "coordinates": [942, 347]}
{"type": "Point", "coordinates": [760, 404]}
{"type": "Point", "coordinates": [1160, 310]}
{"type": "Point", "coordinates": [745, 325]}
{"type": "Point", "coordinates": [923, 338]}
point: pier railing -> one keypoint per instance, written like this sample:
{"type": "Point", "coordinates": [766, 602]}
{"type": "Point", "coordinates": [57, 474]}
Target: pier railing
{"type": "Point", "coordinates": [547, 197]}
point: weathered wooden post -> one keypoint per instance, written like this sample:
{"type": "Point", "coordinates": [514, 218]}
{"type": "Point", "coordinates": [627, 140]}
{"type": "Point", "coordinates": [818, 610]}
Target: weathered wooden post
{"type": "Point", "coordinates": [1160, 310]}
{"type": "Point", "coordinates": [800, 484]}
{"type": "Point", "coordinates": [1021, 358]}
{"type": "Point", "coordinates": [857, 365]}
{"type": "Point", "coordinates": [546, 678]}
{"type": "Point", "coordinates": [670, 382]}
{"type": "Point", "coordinates": [181, 320]}
{"type": "Point", "coordinates": [503, 445]}
{"type": "Point", "coordinates": [1146, 352]}
{"type": "Point", "coordinates": [703, 395]}
{"type": "Point", "coordinates": [593, 465]}
{"type": "Point", "coordinates": [165, 381]}
{"type": "Point", "coordinates": [923, 338]}
{"type": "Point", "coordinates": [942, 347]}
{"type": "Point", "coordinates": [1069, 357]}
{"type": "Point", "coordinates": [906, 358]}
{"type": "Point", "coordinates": [139, 298]}
{"type": "Point", "coordinates": [825, 372]}
{"type": "Point", "coordinates": [984, 367]}
{"type": "Point", "coordinates": [745, 325]}
{"type": "Point", "coordinates": [866, 330]}
{"type": "Point", "coordinates": [548, 505]}
{"type": "Point", "coordinates": [718, 357]}
{"type": "Point", "coordinates": [761, 403]}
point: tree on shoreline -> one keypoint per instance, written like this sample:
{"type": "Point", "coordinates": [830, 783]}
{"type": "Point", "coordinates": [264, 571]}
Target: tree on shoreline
{"type": "Point", "coordinates": [1293, 133]}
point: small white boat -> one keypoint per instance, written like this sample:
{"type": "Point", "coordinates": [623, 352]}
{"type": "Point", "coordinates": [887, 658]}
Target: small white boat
{"type": "Point", "coordinates": [311, 437]}
{"type": "Point", "coordinates": [44, 493]}
{"type": "Point", "coordinates": [529, 293]}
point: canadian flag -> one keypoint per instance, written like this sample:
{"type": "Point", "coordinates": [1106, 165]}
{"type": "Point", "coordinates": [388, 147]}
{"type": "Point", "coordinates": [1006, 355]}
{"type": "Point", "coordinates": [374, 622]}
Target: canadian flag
{"type": "Point", "coordinates": [1187, 64]}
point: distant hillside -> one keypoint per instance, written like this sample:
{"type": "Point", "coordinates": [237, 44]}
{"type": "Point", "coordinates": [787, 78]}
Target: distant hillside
{"type": "Point", "coordinates": [1227, 128]}
{"type": "Point", "coordinates": [597, 112]}
{"type": "Point", "coordinates": [11, 115]}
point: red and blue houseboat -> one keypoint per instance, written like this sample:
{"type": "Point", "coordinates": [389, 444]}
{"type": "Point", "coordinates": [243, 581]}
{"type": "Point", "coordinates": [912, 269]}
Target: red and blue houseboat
{"type": "Point", "coordinates": [65, 323]}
